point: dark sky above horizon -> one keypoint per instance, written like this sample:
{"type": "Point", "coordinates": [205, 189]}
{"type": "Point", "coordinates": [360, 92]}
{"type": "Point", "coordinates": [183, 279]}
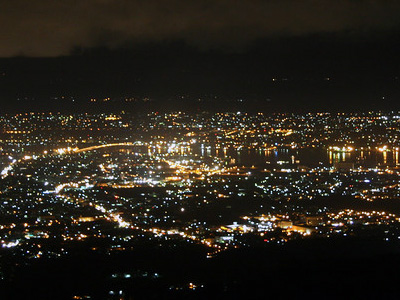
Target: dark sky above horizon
{"type": "Point", "coordinates": [54, 28]}
{"type": "Point", "coordinates": [230, 48]}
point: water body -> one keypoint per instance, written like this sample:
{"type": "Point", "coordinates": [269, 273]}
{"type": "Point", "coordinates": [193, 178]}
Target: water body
{"type": "Point", "coordinates": [310, 157]}
{"type": "Point", "coordinates": [259, 157]}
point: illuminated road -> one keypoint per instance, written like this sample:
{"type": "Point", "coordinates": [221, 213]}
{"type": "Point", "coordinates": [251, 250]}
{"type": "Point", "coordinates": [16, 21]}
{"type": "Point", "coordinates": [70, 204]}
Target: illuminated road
{"type": "Point", "coordinates": [110, 213]}
{"type": "Point", "coordinates": [108, 145]}
{"type": "Point", "coordinates": [116, 217]}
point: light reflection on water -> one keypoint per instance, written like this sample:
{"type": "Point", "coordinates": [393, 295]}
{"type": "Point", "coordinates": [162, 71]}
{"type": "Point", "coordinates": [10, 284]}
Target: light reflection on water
{"type": "Point", "coordinates": [309, 157]}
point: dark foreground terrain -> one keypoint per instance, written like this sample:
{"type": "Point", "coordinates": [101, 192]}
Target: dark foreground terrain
{"type": "Point", "coordinates": [353, 268]}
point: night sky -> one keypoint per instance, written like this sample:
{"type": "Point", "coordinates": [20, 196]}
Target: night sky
{"type": "Point", "coordinates": [278, 54]}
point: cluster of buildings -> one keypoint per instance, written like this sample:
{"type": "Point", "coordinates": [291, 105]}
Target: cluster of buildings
{"type": "Point", "coordinates": [223, 180]}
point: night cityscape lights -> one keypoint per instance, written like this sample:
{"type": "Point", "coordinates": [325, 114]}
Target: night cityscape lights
{"type": "Point", "coordinates": [199, 150]}
{"type": "Point", "coordinates": [220, 181]}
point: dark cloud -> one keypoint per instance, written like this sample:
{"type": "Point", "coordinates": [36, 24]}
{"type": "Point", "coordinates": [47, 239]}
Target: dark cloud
{"type": "Point", "coordinates": [55, 27]}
